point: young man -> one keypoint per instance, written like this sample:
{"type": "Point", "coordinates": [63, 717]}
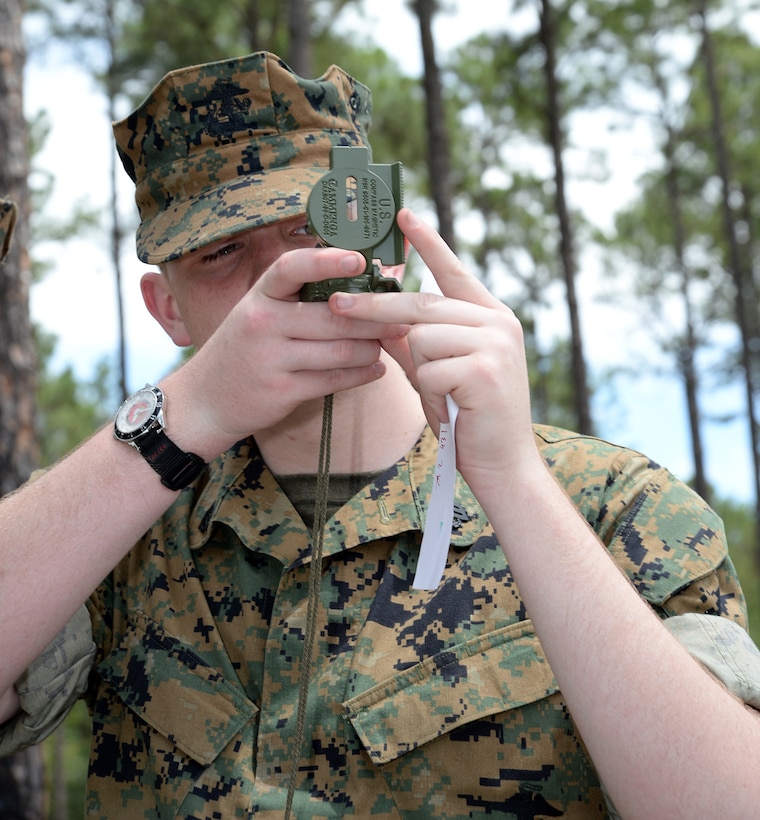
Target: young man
{"type": "Point", "coordinates": [541, 666]}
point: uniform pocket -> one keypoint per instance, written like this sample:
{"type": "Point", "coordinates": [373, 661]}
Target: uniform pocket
{"type": "Point", "coordinates": [493, 673]}
{"type": "Point", "coordinates": [169, 687]}
{"type": "Point", "coordinates": [478, 728]}
{"type": "Point", "coordinates": [171, 736]}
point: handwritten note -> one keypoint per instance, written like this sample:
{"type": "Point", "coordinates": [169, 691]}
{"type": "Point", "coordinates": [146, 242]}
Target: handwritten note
{"type": "Point", "coordinates": [440, 515]}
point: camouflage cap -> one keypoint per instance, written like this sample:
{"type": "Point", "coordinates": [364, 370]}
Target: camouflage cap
{"type": "Point", "coordinates": [219, 148]}
{"type": "Point", "coordinates": [8, 213]}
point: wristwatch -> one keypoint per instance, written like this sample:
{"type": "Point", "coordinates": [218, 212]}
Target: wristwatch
{"type": "Point", "coordinates": [140, 423]}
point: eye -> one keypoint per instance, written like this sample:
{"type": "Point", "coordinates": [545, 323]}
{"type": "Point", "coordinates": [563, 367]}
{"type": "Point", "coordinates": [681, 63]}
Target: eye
{"type": "Point", "coordinates": [303, 230]}
{"type": "Point", "coordinates": [221, 252]}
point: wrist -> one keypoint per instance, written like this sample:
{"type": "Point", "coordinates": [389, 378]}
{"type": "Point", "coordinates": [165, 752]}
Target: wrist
{"type": "Point", "coordinates": [193, 422]}
{"type": "Point", "coordinates": [140, 423]}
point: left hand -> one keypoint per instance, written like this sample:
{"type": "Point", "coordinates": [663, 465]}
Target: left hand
{"type": "Point", "coordinates": [466, 343]}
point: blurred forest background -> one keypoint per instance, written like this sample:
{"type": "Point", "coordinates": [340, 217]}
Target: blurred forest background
{"type": "Point", "coordinates": [488, 136]}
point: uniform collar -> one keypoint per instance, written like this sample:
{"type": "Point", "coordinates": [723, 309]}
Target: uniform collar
{"type": "Point", "coordinates": [244, 496]}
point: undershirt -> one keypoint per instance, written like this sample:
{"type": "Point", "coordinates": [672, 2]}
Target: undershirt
{"type": "Point", "coordinates": [301, 490]}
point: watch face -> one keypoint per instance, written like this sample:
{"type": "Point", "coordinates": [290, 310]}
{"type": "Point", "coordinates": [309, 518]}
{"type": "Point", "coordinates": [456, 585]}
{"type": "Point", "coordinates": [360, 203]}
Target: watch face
{"type": "Point", "coordinates": [136, 412]}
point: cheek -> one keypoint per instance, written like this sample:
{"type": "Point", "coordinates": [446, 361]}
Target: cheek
{"type": "Point", "coordinates": [204, 311]}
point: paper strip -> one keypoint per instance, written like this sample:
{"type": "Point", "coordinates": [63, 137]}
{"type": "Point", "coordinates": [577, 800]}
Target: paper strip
{"type": "Point", "coordinates": [440, 514]}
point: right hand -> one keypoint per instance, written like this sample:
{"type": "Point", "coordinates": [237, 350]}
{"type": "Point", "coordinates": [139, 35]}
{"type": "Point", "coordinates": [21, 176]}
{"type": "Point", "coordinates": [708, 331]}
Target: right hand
{"type": "Point", "coordinates": [272, 352]}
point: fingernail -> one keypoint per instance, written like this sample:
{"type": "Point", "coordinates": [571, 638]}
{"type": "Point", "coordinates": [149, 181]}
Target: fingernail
{"type": "Point", "coordinates": [344, 300]}
{"type": "Point", "coordinates": [350, 264]}
{"type": "Point", "coordinates": [412, 220]}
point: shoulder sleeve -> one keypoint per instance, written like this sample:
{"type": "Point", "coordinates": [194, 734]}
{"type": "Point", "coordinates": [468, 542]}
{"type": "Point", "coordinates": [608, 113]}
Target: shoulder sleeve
{"type": "Point", "coordinates": [668, 541]}
{"type": "Point", "coordinates": [51, 685]}
{"type": "Point", "coordinates": [724, 649]}
{"type": "Point", "coordinates": [672, 546]}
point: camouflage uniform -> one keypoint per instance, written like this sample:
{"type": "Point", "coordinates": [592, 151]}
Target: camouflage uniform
{"type": "Point", "coordinates": [422, 704]}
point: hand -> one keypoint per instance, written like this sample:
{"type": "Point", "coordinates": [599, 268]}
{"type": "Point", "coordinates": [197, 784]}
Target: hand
{"type": "Point", "coordinates": [466, 343]}
{"type": "Point", "coordinates": [272, 353]}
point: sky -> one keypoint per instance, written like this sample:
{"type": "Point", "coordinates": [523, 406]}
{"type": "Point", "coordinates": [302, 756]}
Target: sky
{"type": "Point", "coordinates": [76, 300]}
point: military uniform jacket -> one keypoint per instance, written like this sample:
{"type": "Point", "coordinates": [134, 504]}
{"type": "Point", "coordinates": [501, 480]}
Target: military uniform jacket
{"type": "Point", "coordinates": [422, 703]}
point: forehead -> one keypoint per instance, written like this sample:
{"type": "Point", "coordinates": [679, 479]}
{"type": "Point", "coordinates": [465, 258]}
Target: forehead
{"type": "Point", "coordinates": [253, 235]}
{"type": "Point", "coordinates": [254, 240]}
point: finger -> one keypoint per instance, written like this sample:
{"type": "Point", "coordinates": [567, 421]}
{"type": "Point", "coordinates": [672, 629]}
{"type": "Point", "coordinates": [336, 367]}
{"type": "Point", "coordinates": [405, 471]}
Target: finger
{"type": "Point", "coordinates": [408, 308]}
{"type": "Point", "coordinates": [449, 272]}
{"type": "Point", "coordinates": [288, 273]}
{"type": "Point", "coordinates": [435, 410]}
{"type": "Point", "coordinates": [329, 355]}
{"type": "Point", "coordinates": [310, 384]}
{"type": "Point", "coordinates": [429, 342]}
{"type": "Point", "coordinates": [436, 379]}
{"type": "Point", "coordinates": [309, 321]}
{"type": "Point", "coordinates": [315, 321]}
{"type": "Point", "coordinates": [398, 349]}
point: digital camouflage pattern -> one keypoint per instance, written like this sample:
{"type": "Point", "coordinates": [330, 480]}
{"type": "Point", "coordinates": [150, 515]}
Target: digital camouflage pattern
{"type": "Point", "coordinates": [423, 704]}
{"type": "Point", "coordinates": [8, 213]}
{"type": "Point", "coordinates": [219, 148]}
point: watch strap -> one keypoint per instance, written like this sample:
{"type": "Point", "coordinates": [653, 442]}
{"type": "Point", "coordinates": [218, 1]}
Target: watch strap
{"type": "Point", "coordinates": [177, 468]}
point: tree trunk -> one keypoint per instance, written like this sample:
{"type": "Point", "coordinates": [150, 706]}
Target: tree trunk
{"type": "Point", "coordinates": [688, 347]}
{"type": "Point", "coordinates": [439, 162]}
{"type": "Point", "coordinates": [736, 270]}
{"type": "Point", "coordinates": [252, 25]}
{"type": "Point", "coordinates": [22, 787]}
{"type": "Point", "coordinates": [116, 232]}
{"type": "Point", "coordinates": [299, 36]}
{"type": "Point", "coordinates": [18, 451]}
{"type": "Point", "coordinates": [567, 252]}
{"type": "Point", "coordinates": [21, 793]}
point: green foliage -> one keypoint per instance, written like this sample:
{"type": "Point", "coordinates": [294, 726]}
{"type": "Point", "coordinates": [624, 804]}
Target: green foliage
{"type": "Point", "coordinates": [740, 531]}
{"type": "Point", "coordinates": [77, 221]}
{"type": "Point", "coordinates": [66, 755]}
{"type": "Point", "coordinates": [398, 131]}
{"type": "Point", "coordinates": [550, 390]}
{"type": "Point", "coordinates": [69, 410]}
{"type": "Point", "coordinates": [497, 167]}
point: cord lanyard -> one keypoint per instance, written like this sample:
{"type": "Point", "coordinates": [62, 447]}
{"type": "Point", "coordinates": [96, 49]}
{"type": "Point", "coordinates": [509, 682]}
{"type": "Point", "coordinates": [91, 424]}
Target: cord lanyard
{"type": "Point", "coordinates": [315, 577]}
{"type": "Point", "coordinates": [433, 551]}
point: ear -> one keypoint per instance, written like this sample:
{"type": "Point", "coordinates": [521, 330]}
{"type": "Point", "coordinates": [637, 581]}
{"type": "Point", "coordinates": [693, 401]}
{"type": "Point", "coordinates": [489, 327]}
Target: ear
{"type": "Point", "coordinates": [162, 305]}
